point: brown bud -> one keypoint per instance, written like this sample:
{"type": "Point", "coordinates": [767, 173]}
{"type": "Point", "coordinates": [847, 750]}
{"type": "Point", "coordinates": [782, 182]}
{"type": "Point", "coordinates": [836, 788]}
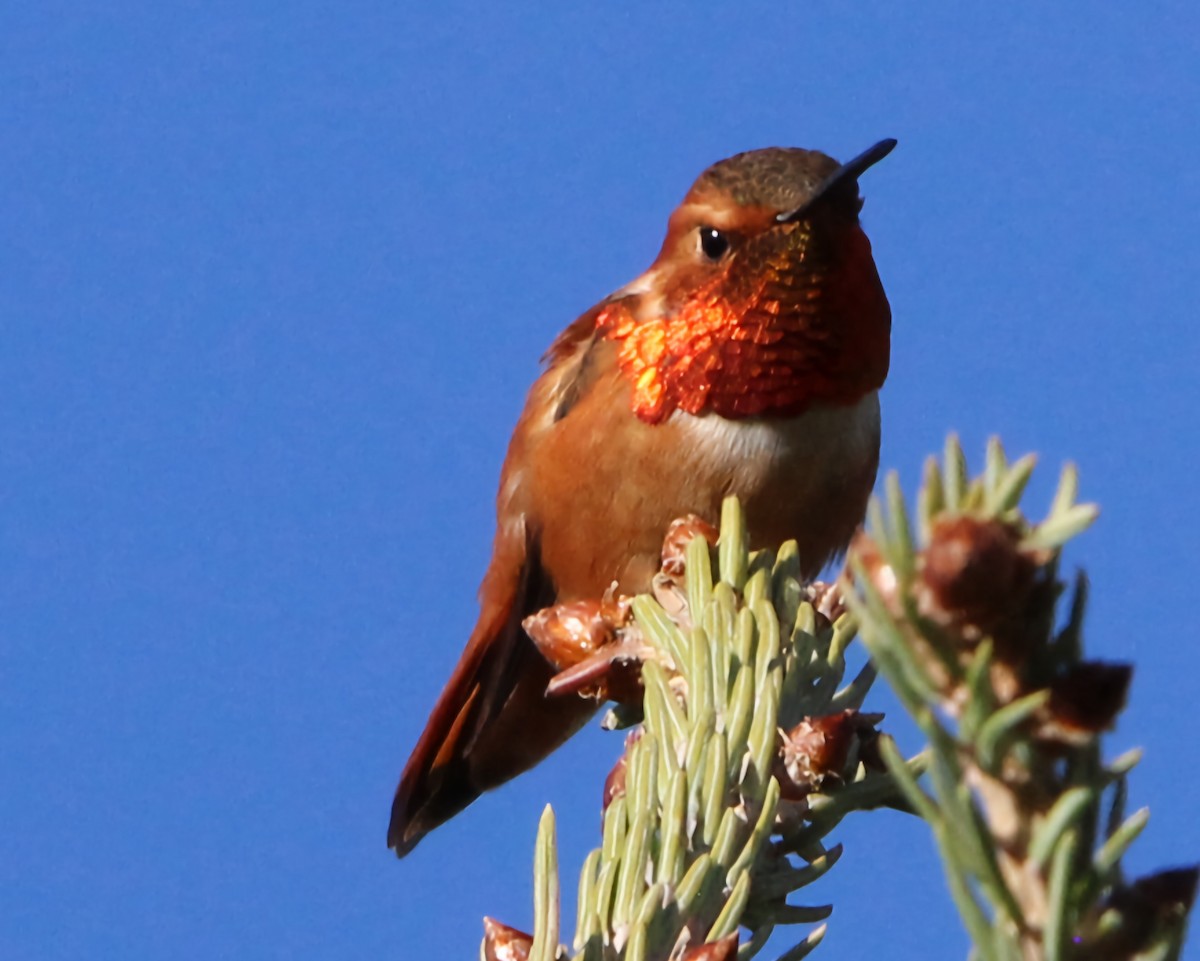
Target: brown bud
{"type": "Point", "coordinates": [818, 749]}
{"type": "Point", "coordinates": [593, 646]}
{"type": "Point", "coordinates": [1143, 907]}
{"type": "Point", "coordinates": [613, 673]}
{"type": "Point", "coordinates": [1089, 696]}
{"type": "Point", "coordinates": [1169, 892]}
{"type": "Point", "coordinates": [826, 599]}
{"type": "Point", "coordinates": [883, 578]}
{"type": "Point", "coordinates": [975, 571]}
{"type": "Point", "coordinates": [672, 598]}
{"type": "Point", "coordinates": [680, 534]}
{"type": "Point", "coordinates": [614, 784]}
{"type": "Point", "coordinates": [566, 634]}
{"type": "Point", "coordinates": [502, 943]}
{"type": "Point", "coordinates": [723, 950]}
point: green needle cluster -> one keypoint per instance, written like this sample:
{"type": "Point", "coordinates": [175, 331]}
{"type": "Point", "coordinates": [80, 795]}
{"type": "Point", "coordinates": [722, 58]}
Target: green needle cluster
{"type": "Point", "coordinates": [960, 617]}
{"type": "Point", "coordinates": [702, 842]}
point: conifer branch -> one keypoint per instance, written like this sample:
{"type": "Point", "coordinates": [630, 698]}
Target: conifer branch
{"type": "Point", "coordinates": [960, 618]}
{"type": "Point", "coordinates": [751, 749]}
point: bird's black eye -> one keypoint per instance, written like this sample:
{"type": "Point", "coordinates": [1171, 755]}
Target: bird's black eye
{"type": "Point", "coordinates": [714, 243]}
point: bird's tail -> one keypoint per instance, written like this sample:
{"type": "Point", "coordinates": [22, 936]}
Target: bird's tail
{"type": "Point", "coordinates": [492, 721]}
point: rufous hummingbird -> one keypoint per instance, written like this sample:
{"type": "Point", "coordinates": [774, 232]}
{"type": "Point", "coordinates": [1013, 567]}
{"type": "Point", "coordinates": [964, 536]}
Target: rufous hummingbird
{"type": "Point", "coordinates": [747, 360]}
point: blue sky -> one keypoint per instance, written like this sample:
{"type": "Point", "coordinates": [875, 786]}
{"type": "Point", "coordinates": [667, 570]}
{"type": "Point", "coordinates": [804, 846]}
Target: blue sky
{"type": "Point", "coordinates": [276, 279]}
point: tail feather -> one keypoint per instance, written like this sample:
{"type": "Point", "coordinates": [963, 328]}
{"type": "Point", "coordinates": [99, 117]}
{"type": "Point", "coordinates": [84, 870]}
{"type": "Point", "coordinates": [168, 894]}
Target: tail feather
{"type": "Point", "coordinates": [493, 720]}
{"type": "Point", "coordinates": [436, 782]}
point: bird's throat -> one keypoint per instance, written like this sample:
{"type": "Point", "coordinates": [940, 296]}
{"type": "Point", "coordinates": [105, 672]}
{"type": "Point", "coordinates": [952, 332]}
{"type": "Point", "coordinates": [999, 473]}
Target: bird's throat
{"type": "Point", "coordinates": [793, 340]}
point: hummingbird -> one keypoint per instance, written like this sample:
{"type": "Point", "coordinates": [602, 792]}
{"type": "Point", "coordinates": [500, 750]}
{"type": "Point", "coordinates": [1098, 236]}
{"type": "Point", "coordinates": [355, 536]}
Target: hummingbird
{"type": "Point", "coordinates": [746, 360]}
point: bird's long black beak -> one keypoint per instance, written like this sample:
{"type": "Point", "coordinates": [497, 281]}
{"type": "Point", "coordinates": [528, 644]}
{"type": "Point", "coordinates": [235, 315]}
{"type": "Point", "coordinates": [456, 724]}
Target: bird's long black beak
{"type": "Point", "coordinates": [847, 171]}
